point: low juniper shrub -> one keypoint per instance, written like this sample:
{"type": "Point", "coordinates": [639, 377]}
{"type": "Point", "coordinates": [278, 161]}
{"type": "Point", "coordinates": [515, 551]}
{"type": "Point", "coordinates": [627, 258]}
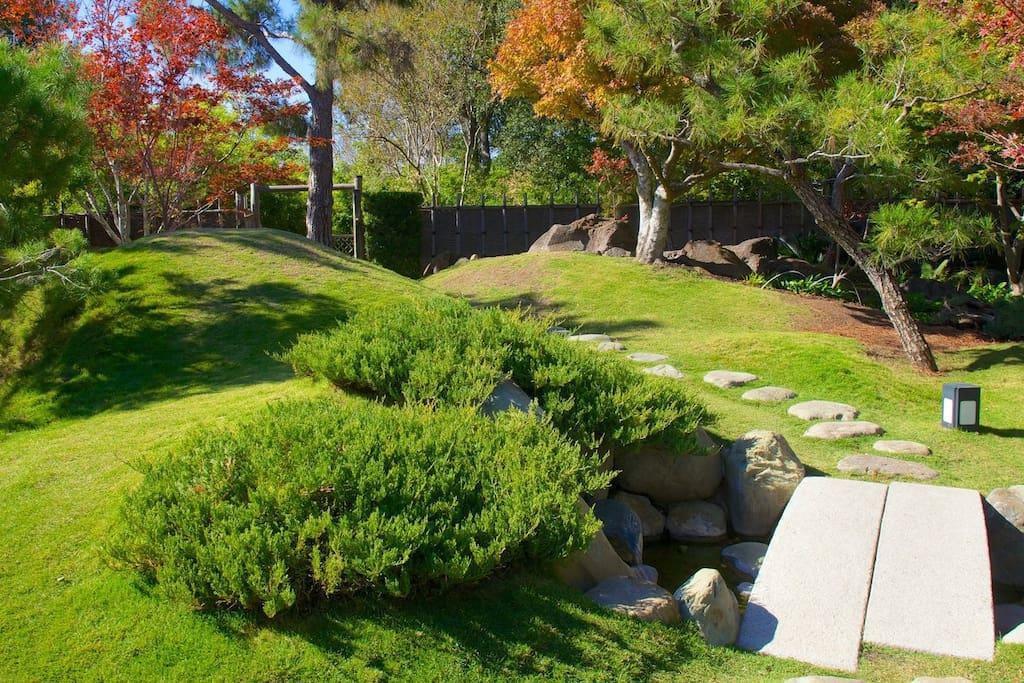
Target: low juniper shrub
{"type": "Point", "coordinates": [316, 498]}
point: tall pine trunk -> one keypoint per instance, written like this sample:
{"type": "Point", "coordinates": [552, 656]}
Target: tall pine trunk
{"type": "Point", "coordinates": [894, 303]}
{"type": "Point", "coordinates": [320, 136]}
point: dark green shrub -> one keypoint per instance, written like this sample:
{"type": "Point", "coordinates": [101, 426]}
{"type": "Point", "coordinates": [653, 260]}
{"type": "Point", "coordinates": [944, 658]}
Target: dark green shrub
{"type": "Point", "coordinates": [287, 211]}
{"type": "Point", "coordinates": [314, 499]}
{"type": "Point", "coordinates": [444, 351]}
{"type": "Point", "coordinates": [393, 230]}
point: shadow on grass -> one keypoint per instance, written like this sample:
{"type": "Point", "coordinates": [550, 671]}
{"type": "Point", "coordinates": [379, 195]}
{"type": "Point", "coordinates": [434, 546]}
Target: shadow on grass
{"type": "Point", "coordinates": [986, 358]}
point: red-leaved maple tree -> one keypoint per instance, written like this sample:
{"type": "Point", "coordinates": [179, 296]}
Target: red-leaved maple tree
{"type": "Point", "coordinates": [33, 21]}
{"type": "Point", "coordinates": [176, 120]}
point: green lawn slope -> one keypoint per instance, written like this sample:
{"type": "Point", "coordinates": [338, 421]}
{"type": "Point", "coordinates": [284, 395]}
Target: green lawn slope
{"type": "Point", "coordinates": [185, 335]}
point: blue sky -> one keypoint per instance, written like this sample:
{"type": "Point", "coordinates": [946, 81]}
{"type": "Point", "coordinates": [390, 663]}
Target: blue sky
{"type": "Point", "coordinates": [298, 57]}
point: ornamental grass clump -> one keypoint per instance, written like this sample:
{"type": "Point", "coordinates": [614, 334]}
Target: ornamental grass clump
{"type": "Point", "coordinates": [315, 499]}
{"type": "Point", "coordinates": [441, 351]}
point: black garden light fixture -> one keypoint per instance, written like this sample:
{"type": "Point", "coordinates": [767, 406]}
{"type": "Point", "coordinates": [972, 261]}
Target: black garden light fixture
{"type": "Point", "coordinates": [961, 406]}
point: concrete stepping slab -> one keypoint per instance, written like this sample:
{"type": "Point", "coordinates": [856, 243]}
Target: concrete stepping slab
{"type": "Point", "coordinates": [664, 370]}
{"type": "Point", "coordinates": [932, 586]}
{"type": "Point", "coordinates": [591, 338]}
{"type": "Point", "coordinates": [611, 346]}
{"type": "Point", "coordinates": [823, 410]}
{"type": "Point", "coordinates": [843, 430]}
{"type": "Point", "coordinates": [745, 558]}
{"type": "Point", "coordinates": [769, 394]}
{"type": "Point", "coordinates": [864, 463]}
{"type": "Point", "coordinates": [726, 379]}
{"type": "Point", "coordinates": [809, 598]}
{"type": "Point", "coordinates": [644, 357]}
{"type": "Point", "coordinates": [902, 447]}
{"type": "Point", "coordinates": [1010, 623]}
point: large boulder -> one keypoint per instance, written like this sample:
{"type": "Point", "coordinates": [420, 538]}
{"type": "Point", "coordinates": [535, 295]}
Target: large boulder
{"type": "Point", "coordinates": [705, 598]}
{"type": "Point", "coordinates": [1004, 517]}
{"type": "Point", "coordinates": [757, 253]}
{"type": "Point", "coordinates": [667, 476]}
{"type": "Point", "coordinates": [623, 528]}
{"type": "Point", "coordinates": [696, 521]}
{"type": "Point", "coordinates": [710, 256]}
{"type": "Point", "coordinates": [636, 598]}
{"type": "Point", "coordinates": [591, 233]}
{"type": "Point", "coordinates": [651, 518]}
{"type": "Point", "coordinates": [585, 569]}
{"type": "Point", "coordinates": [745, 558]}
{"type": "Point", "coordinates": [761, 474]}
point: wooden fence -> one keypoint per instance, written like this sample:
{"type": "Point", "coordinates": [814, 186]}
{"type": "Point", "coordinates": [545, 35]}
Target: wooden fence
{"type": "Point", "coordinates": [489, 230]}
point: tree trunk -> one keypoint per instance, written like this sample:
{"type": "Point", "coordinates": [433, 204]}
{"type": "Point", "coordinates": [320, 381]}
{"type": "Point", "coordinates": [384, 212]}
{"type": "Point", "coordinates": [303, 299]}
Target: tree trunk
{"type": "Point", "coordinates": [655, 204]}
{"type": "Point", "coordinates": [320, 136]}
{"type": "Point", "coordinates": [894, 303]}
{"type": "Point", "coordinates": [1010, 238]}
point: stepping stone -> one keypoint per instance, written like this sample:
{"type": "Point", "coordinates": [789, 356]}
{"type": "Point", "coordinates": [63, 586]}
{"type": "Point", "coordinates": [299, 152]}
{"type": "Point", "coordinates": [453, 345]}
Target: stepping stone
{"type": "Point", "coordinates": [696, 522]}
{"type": "Point", "coordinates": [558, 331]}
{"type": "Point", "coordinates": [644, 357]}
{"type": "Point", "coordinates": [664, 370]}
{"type": "Point", "coordinates": [843, 430]}
{"type": "Point", "coordinates": [1010, 623]}
{"type": "Point", "coordinates": [809, 598]}
{"type": "Point", "coordinates": [769, 394]}
{"type": "Point", "coordinates": [932, 586]}
{"type": "Point", "coordinates": [745, 558]}
{"type": "Point", "coordinates": [725, 379]}
{"type": "Point", "coordinates": [902, 447]}
{"type": "Point", "coordinates": [611, 346]}
{"type": "Point", "coordinates": [823, 410]}
{"type": "Point", "coordinates": [635, 598]}
{"type": "Point", "coordinates": [593, 338]}
{"type": "Point", "coordinates": [863, 463]}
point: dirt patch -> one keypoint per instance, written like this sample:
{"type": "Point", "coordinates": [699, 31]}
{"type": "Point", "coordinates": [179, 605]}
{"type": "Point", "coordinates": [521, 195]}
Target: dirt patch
{"type": "Point", "coordinates": [871, 327]}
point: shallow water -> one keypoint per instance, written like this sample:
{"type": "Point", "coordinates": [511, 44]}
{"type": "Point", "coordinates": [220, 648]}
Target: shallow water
{"type": "Point", "coordinates": [676, 562]}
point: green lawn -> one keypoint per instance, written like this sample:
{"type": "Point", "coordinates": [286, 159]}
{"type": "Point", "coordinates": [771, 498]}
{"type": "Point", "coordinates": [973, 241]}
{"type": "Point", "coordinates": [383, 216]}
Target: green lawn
{"type": "Point", "coordinates": [185, 336]}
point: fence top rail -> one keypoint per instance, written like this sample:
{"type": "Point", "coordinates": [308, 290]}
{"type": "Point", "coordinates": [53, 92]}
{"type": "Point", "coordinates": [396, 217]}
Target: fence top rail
{"type": "Point", "coordinates": [303, 188]}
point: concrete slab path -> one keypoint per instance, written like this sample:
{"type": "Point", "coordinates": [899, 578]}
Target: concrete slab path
{"type": "Point", "coordinates": [810, 596]}
{"type": "Point", "coordinates": [931, 589]}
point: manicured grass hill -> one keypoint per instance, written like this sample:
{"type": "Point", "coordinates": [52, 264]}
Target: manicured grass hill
{"type": "Point", "coordinates": [184, 336]}
{"type": "Point", "coordinates": [706, 324]}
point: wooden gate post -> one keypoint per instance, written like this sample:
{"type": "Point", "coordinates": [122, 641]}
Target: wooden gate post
{"type": "Point", "coordinates": [254, 206]}
{"type": "Point", "coordinates": [358, 229]}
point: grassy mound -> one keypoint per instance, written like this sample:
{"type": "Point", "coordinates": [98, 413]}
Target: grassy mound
{"type": "Point", "coordinates": [443, 351]}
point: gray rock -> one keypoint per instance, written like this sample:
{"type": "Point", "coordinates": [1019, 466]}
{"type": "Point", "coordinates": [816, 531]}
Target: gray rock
{"type": "Point", "coordinates": [591, 233]}
{"type": "Point", "coordinates": [743, 590]}
{"type": "Point", "coordinates": [902, 447]}
{"type": "Point", "coordinates": [644, 357]}
{"type": "Point", "coordinates": [745, 558]}
{"type": "Point", "coordinates": [558, 331]}
{"type": "Point", "coordinates": [585, 569]}
{"type": "Point", "coordinates": [843, 430]}
{"type": "Point", "coordinates": [757, 253]}
{"type": "Point", "coordinates": [1004, 519]}
{"type": "Point", "coordinates": [635, 598]}
{"type": "Point", "coordinates": [725, 379]}
{"type": "Point", "coordinates": [696, 521]}
{"type": "Point", "coordinates": [823, 410]}
{"type": "Point", "coordinates": [618, 252]}
{"type": "Point", "coordinates": [611, 346]}
{"type": "Point", "coordinates": [646, 572]}
{"type": "Point", "coordinates": [590, 338]}
{"type": "Point", "coordinates": [710, 256]}
{"type": "Point", "coordinates": [706, 600]}
{"type": "Point", "coordinates": [664, 370]}
{"type": "Point", "coordinates": [651, 518]}
{"type": "Point", "coordinates": [761, 473]}
{"type": "Point", "coordinates": [768, 394]}
{"type": "Point", "coordinates": [1010, 622]}
{"type": "Point", "coordinates": [509, 396]}
{"type": "Point", "coordinates": [667, 476]}
{"type": "Point", "coordinates": [863, 463]}
{"type": "Point", "coordinates": [623, 528]}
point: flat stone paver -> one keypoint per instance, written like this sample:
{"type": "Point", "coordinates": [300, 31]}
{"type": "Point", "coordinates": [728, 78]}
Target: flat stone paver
{"type": "Point", "coordinates": [593, 338]}
{"type": "Point", "coordinates": [611, 346]}
{"type": "Point", "coordinates": [864, 463]}
{"type": "Point", "coordinates": [768, 394]}
{"type": "Point", "coordinates": [809, 599]}
{"type": "Point", "coordinates": [726, 379]}
{"type": "Point", "coordinates": [902, 447]}
{"type": "Point", "coordinates": [843, 430]}
{"type": "Point", "coordinates": [932, 589]}
{"type": "Point", "coordinates": [664, 370]}
{"type": "Point", "coordinates": [823, 410]}
{"type": "Point", "coordinates": [644, 357]}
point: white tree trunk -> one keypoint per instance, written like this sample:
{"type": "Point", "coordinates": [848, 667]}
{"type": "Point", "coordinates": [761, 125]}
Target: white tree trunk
{"type": "Point", "coordinates": [654, 225]}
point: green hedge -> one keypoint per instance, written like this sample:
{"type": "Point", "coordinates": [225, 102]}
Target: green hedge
{"type": "Point", "coordinates": [313, 499]}
{"type": "Point", "coordinates": [443, 351]}
{"type": "Point", "coordinates": [393, 230]}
